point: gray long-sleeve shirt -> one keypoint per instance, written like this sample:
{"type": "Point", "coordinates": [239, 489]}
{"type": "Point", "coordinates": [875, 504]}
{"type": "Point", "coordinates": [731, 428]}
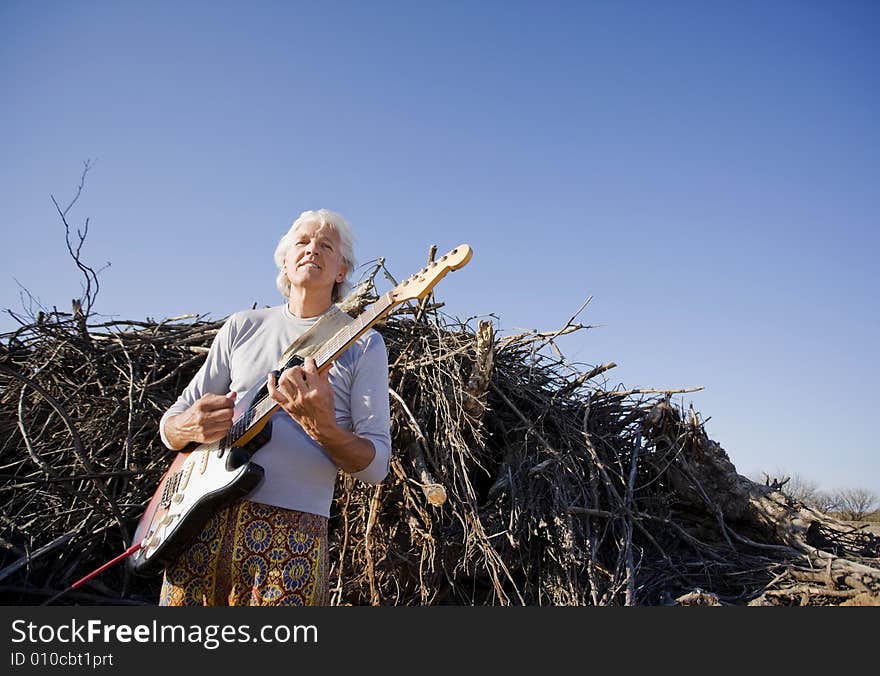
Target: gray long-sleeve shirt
{"type": "Point", "coordinates": [298, 473]}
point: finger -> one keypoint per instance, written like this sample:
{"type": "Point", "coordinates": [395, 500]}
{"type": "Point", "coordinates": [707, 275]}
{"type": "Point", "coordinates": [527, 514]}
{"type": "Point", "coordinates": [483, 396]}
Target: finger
{"type": "Point", "coordinates": [214, 428]}
{"type": "Point", "coordinates": [284, 392]}
{"type": "Point", "coordinates": [295, 379]}
{"type": "Point", "coordinates": [311, 374]}
{"type": "Point", "coordinates": [206, 401]}
{"type": "Point", "coordinates": [214, 433]}
{"type": "Point", "coordinates": [211, 402]}
{"type": "Point", "coordinates": [227, 403]}
{"type": "Point", "coordinates": [273, 386]}
{"type": "Point", "coordinates": [219, 417]}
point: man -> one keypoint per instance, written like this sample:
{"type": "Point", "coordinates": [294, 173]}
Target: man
{"type": "Point", "coordinates": [271, 547]}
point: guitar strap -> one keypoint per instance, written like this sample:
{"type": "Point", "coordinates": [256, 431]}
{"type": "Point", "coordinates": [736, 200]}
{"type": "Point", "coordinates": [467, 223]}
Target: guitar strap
{"type": "Point", "coordinates": [328, 325]}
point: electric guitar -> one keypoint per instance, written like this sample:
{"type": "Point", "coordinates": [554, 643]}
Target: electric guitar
{"type": "Point", "coordinates": [203, 480]}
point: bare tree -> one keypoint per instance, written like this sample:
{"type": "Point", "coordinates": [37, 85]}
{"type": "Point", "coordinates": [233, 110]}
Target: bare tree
{"type": "Point", "coordinates": [74, 238]}
{"type": "Point", "coordinates": [82, 306]}
{"type": "Point", "coordinates": [824, 502]}
{"type": "Point", "coordinates": [801, 489]}
{"type": "Point", "coordinates": [855, 503]}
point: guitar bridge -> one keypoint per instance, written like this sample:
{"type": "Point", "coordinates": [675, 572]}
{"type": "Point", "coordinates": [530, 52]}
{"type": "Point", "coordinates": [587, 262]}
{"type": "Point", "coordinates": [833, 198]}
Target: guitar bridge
{"type": "Point", "coordinates": [169, 489]}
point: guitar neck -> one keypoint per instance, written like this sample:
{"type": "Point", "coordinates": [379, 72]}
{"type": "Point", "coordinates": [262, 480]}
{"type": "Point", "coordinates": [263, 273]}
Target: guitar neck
{"type": "Point", "coordinates": [252, 420]}
{"type": "Point", "coordinates": [346, 336]}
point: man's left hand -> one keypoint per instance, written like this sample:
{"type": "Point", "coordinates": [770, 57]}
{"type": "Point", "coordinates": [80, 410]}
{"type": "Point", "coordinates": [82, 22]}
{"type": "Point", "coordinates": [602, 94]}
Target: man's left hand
{"type": "Point", "coordinates": [307, 397]}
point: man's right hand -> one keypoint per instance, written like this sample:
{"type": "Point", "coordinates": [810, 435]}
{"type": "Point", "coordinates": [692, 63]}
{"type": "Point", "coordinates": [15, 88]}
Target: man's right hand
{"type": "Point", "coordinates": [207, 420]}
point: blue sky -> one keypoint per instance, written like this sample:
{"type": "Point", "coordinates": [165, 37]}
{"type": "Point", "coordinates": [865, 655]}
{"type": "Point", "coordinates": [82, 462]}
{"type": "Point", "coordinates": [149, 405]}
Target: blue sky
{"type": "Point", "coordinates": [707, 171]}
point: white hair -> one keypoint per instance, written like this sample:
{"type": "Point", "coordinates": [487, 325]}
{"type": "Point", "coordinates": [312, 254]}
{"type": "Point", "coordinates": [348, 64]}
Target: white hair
{"type": "Point", "coordinates": [346, 240]}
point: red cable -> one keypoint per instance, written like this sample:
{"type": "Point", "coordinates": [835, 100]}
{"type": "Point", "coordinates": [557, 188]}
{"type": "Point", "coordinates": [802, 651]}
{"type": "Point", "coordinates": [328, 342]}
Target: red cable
{"type": "Point", "coordinates": [128, 552]}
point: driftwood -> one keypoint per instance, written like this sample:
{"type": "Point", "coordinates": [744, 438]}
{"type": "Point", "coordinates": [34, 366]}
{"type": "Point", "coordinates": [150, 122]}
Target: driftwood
{"type": "Point", "coordinates": [517, 477]}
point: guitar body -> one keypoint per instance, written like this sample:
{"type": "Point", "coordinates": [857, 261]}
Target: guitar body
{"type": "Point", "coordinates": [198, 484]}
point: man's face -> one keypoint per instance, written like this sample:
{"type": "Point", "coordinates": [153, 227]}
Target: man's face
{"type": "Point", "coordinates": [314, 262]}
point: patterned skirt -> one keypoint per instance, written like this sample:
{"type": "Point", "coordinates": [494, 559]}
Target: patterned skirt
{"type": "Point", "coordinates": [251, 554]}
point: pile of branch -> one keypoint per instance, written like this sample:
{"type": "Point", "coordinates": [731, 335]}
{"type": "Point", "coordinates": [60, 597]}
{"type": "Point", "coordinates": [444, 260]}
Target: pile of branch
{"type": "Point", "coordinates": [517, 478]}
{"type": "Point", "coordinates": [79, 452]}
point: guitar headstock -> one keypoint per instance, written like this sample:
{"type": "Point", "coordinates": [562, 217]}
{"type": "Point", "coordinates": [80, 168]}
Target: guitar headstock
{"type": "Point", "coordinates": [421, 283]}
